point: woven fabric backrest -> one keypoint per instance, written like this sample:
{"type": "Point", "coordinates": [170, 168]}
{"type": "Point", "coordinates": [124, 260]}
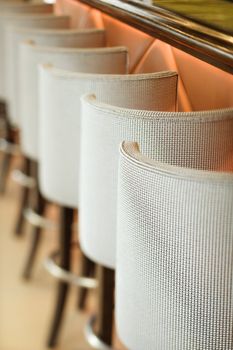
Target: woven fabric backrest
{"type": "Point", "coordinates": [60, 114]}
{"type": "Point", "coordinates": [206, 137]}
{"type": "Point", "coordinates": [26, 21]}
{"type": "Point", "coordinates": [44, 37]}
{"type": "Point", "coordinates": [103, 128]}
{"type": "Point", "coordinates": [174, 256]}
{"type": "Point", "coordinates": [98, 60]}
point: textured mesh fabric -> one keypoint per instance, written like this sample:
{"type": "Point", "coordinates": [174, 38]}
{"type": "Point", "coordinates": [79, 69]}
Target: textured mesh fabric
{"type": "Point", "coordinates": [100, 60]}
{"type": "Point", "coordinates": [44, 37]}
{"type": "Point", "coordinates": [169, 137]}
{"type": "Point", "coordinates": [26, 21]}
{"type": "Point", "coordinates": [174, 255]}
{"type": "Point", "coordinates": [60, 114]}
{"type": "Point", "coordinates": [103, 127]}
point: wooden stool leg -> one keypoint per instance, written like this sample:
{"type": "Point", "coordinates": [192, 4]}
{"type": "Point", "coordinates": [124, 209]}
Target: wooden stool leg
{"type": "Point", "coordinates": [23, 200]}
{"type": "Point", "coordinates": [65, 261]}
{"type": "Point", "coordinates": [35, 239]}
{"type": "Point", "coordinates": [4, 171]}
{"type": "Point", "coordinates": [5, 166]}
{"type": "Point", "coordinates": [104, 324]}
{"type": "Point", "coordinates": [38, 204]}
{"type": "Point", "coordinates": [87, 270]}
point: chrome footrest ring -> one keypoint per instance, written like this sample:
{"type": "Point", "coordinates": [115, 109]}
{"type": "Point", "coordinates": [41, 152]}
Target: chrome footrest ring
{"type": "Point", "coordinates": [19, 177]}
{"type": "Point", "coordinates": [9, 148]}
{"type": "Point", "coordinates": [92, 338]}
{"type": "Point", "coordinates": [65, 276]}
{"type": "Point", "coordinates": [38, 220]}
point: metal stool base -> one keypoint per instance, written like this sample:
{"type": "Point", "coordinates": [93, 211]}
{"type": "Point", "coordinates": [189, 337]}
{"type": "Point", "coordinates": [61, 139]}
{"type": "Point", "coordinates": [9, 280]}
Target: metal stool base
{"type": "Point", "coordinates": [9, 148]}
{"type": "Point", "coordinates": [38, 220]}
{"type": "Point", "coordinates": [65, 276]}
{"type": "Point", "coordinates": [92, 338]}
{"type": "Point", "coordinates": [22, 179]}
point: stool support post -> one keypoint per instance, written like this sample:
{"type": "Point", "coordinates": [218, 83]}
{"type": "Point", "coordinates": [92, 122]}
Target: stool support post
{"type": "Point", "coordinates": [104, 323]}
{"type": "Point", "coordinates": [23, 200]}
{"type": "Point", "coordinates": [65, 262]}
{"type": "Point", "coordinates": [38, 203]}
{"type": "Point", "coordinates": [10, 137]}
{"type": "Point", "coordinates": [87, 270]}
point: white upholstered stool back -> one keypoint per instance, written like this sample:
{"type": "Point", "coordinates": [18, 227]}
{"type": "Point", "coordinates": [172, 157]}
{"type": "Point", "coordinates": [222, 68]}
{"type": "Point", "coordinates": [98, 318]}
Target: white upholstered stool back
{"type": "Point", "coordinates": [60, 114]}
{"type": "Point", "coordinates": [102, 129]}
{"type": "Point", "coordinates": [105, 126]}
{"type": "Point", "coordinates": [175, 246]}
{"type": "Point", "coordinates": [26, 21]}
{"type": "Point", "coordinates": [43, 37]}
{"type": "Point", "coordinates": [102, 60]}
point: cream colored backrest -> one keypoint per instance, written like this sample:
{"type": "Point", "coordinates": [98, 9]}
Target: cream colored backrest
{"type": "Point", "coordinates": [60, 114]}
{"type": "Point", "coordinates": [174, 271]}
{"type": "Point", "coordinates": [102, 129]}
{"type": "Point", "coordinates": [27, 21]}
{"type": "Point", "coordinates": [100, 60]}
{"type": "Point", "coordinates": [161, 135]}
{"type": "Point", "coordinates": [47, 37]}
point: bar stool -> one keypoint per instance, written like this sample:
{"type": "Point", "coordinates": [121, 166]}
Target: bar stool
{"type": "Point", "coordinates": [73, 59]}
{"type": "Point", "coordinates": [59, 89]}
{"type": "Point", "coordinates": [98, 60]}
{"type": "Point", "coordinates": [175, 237]}
{"type": "Point", "coordinates": [35, 21]}
{"type": "Point", "coordinates": [52, 37]}
{"type": "Point", "coordinates": [107, 126]}
{"type": "Point", "coordinates": [158, 92]}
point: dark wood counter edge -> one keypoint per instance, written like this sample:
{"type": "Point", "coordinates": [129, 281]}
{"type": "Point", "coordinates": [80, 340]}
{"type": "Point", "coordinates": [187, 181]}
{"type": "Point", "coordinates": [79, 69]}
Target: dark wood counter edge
{"type": "Point", "coordinates": [207, 44]}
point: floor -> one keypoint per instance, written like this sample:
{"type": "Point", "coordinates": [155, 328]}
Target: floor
{"type": "Point", "coordinates": [26, 306]}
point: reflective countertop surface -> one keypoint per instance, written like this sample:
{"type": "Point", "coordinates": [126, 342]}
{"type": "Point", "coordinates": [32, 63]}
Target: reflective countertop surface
{"type": "Point", "coordinates": [216, 14]}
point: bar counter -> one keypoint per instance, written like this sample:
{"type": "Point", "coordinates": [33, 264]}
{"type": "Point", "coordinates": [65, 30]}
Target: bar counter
{"type": "Point", "coordinates": [207, 38]}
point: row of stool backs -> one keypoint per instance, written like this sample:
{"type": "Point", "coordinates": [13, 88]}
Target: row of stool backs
{"type": "Point", "coordinates": [153, 185]}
